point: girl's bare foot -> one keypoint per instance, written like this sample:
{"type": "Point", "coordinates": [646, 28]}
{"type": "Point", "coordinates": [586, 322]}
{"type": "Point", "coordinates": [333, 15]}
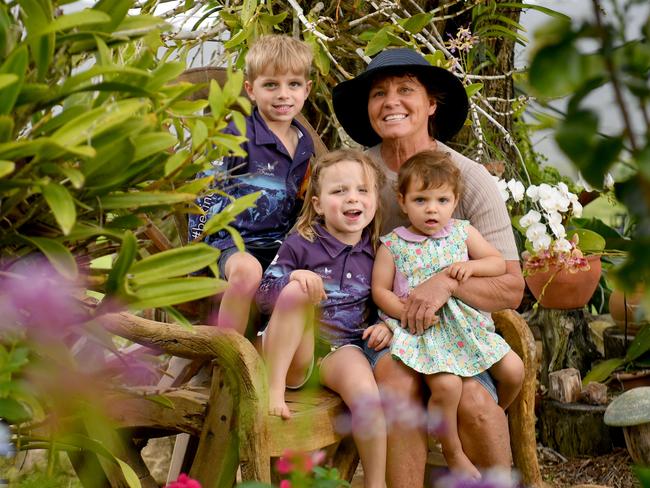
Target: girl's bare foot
{"type": "Point", "coordinates": [459, 462]}
{"type": "Point", "coordinates": [277, 405]}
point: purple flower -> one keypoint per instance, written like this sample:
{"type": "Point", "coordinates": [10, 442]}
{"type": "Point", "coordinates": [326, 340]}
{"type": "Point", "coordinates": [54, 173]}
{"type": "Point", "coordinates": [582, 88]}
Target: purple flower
{"type": "Point", "coordinates": [491, 478]}
{"type": "Point", "coordinates": [34, 297]}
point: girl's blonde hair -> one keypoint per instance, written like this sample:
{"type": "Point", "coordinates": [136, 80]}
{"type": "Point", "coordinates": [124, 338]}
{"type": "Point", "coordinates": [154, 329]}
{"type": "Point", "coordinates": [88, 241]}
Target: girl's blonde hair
{"type": "Point", "coordinates": [431, 169]}
{"type": "Point", "coordinates": [308, 216]}
{"type": "Point", "coordinates": [278, 54]}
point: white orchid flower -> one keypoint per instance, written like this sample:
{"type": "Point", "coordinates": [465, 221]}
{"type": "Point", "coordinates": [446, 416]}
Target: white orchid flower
{"type": "Point", "coordinates": [576, 208]}
{"type": "Point", "coordinates": [541, 243]}
{"type": "Point", "coordinates": [503, 188]}
{"type": "Point", "coordinates": [562, 245]}
{"type": "Point", "coordinates": [557, 228]}
{"type": "Point", "coordinates": [609, 181]}
{"type": "Point", "coordinates": [516, 189]}
{"type": "Point", "coordinates": [532, 192]}
{"type": "Point", "coordinates": [530, 218]}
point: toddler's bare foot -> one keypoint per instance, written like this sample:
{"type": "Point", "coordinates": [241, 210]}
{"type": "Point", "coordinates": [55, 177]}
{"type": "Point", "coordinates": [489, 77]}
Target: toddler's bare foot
{"type": "Point", "coordinates": [458, 461]}
{"type": "Point", "coordinates": [277, 405]}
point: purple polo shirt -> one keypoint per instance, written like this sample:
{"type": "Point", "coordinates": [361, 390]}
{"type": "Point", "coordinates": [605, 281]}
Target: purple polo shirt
{"type": "Point", "coordinates": [268, 168]}
{"type": "Point", "coordinates": [346, 271]}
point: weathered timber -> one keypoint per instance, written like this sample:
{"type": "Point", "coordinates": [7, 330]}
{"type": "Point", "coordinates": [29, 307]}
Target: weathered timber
{"type": "Point", "coordinates": [637, 440]}
{"type": "Point", "coordinates": [594, 394]}
{"type": "Point", "coordinates": [566, 340]}
{"type": "Point", "coordinates": [575, 429]}
{"type": "Point", "coordinates": [564, 385]}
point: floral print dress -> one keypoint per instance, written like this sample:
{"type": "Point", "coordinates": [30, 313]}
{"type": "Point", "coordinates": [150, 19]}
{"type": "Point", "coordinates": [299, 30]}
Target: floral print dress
{"type": "Point", "coordinates": [463, 343]}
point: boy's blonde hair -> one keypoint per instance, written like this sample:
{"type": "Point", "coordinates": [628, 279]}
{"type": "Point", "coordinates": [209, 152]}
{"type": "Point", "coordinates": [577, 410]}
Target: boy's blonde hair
{"type": "Point", "coordinates": [308, 215]}
{"type": "Point", "coordinates": [431, 169]}
{"type": "Point", "coordinates": [278, 54]}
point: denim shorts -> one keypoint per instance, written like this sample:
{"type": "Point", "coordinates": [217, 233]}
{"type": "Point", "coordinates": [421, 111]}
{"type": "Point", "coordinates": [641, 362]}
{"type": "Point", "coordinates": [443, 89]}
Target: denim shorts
{"type": "Point", "coordinates": [264, 254]}
{"type": "Point", "coordinates": [487, 382]}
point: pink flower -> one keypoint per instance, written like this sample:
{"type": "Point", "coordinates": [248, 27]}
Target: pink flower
{"type": "Point", "coordinates": [283, 465]}
{"type": "Point", "coordinates": [285, 484]}
{"type": "Point", "coordinates": [185, 481]}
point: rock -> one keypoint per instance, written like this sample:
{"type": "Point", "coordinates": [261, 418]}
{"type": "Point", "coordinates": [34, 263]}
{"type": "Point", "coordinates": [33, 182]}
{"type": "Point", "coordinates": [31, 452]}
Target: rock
{"type": "Point", "coordinates": [630, 408]}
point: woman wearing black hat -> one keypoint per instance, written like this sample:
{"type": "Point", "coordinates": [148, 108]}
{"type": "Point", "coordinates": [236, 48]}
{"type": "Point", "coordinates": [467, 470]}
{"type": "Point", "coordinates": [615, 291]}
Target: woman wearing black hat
{"type": "Point", "coordinates": [399, 106]}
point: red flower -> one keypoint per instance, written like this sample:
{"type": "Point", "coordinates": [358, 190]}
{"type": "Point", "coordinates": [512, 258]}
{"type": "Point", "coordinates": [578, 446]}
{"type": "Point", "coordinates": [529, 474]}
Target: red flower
{"type": "Point", "coordinates": [285, 484]}
{"type": "Point", "coordinates": [461, 344]}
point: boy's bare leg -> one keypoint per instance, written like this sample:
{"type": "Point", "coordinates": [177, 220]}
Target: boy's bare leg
{"type": "Point", "coordinates": [407, 446]}
{"type": "Point", "coordinates": [348, 372]}
{"type": "Point", "coordinates": [483, 427]}
{"type": "Point", "coordinates": [244, 274]}
{"type": "Point", "coordinates": [288, 345]}
{"type": "Point", "coordinates": [445, 396]}
{"type": "Point", "coordinates": [508, 373]}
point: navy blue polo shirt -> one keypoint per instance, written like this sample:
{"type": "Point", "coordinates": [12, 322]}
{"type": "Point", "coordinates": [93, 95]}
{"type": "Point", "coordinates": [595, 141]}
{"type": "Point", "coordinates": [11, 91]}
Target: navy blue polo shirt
{"type": "Point", "coordinates": [346, 272]}
{"type": "Point", "coordinates": [268, 168]}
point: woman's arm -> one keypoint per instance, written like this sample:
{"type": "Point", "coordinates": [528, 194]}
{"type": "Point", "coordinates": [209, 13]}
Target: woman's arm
{"type": "Point", "coordinates": [383, 277]}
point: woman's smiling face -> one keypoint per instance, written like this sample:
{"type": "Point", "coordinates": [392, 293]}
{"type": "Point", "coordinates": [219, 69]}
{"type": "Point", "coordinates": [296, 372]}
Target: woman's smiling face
{"type": "Point", "coordinates": [399, 107]}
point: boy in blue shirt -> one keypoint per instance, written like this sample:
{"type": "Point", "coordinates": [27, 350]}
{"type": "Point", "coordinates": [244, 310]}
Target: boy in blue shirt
{"type": "Point", "coordinates": [279, 149]}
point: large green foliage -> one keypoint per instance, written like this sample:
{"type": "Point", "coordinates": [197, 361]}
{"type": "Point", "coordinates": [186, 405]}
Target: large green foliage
{"type": "Point", "coordinates": [94, 135]}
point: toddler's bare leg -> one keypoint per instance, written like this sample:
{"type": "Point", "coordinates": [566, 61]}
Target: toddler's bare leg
{"type": "Point", "coordinates": [445, 395]}
{"type": "Point", "coordinates": [509, 375]}
{"type": "Point", "coordinates": [244, 274]}
{"type": "Point", "coordinates": [288, 345]}
{"type": "Point", "coordinates": [348, 372]}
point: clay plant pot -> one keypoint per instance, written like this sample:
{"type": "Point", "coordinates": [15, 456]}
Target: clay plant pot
{"type": "Point", "coordinates": [622, 304]}
{"type": "Point", "coordinates": [565, 290]}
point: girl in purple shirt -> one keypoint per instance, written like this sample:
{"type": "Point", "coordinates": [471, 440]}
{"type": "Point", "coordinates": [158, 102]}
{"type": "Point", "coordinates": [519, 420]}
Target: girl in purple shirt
{"type": "Point", "coordinates": [318, 289]}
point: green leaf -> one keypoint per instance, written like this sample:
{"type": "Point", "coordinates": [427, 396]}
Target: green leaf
{"type": "Point", "coordinates": [117, 9]}
{"type": "Point", "coordinates": [575, 135]}
{"type": "Point", "coordinates": [378, 43]}
{"type": "Point", "coordinates": [15, 64]}
{"type": "Point", "coordinates": [144, 199]}
{"type": "Point", "coordinates": [197, 185]}
{"type": "Point", "coordinates": [473, 88]}
{"type": "Point", "coordinates": [247, 11]}
{"type": "Point", "coordinates": [555, 71]}
{"type": "Point", "coordinates": [115, 283]}
{"type": "Point", "coordinates": [62, 205]}
{"type": "Point", "coordinates": [175, 291]}
{"type": "Point", "coordinates": [72, 20]}
{"type": "Point", "coordinates": [7, 79]}
{"type": "Point", "coordinates": [175, 161]}
{"type": "Point", "coordinates": [216, 99]}
{"type": "Point", "coordinates": [129, 475]}
{"type": "Point", "coordinates": [589, 241]}
{"type": "Point", "coordinates": [139, 25]}
{"type": "Point", "coordinates": [603, 370]}
{"type": "Point", "coordinates": [238, 38]}
{"type": "Point", "coordinates": [417, 22]}
{"type": "Point", "coordinates": [164, 73]}
{"type": "Point", "coordinates": [6, 128]}
{"type": "Point", "coordinates": [152, 143]}
{"type": "Point", "coordinates": [57, 254]}
{"type": "Point", "coordinates": [187, 107]}
{"type": "Point", "coordinates": [228, 214]}
{"type": "Point", "coordinates": [173, 263]}
{"type": "Point", "coordinates": [13, 411]}
{"type": "Point", "coordinates": [6, 168]}
{"type": "Point", "coordinates": [199, 134]}
{"type": "Point", "coordinates": [177, 317]}
{"type": "Point", "coordinates": [640, 345]}
{"type": "Point", "coordinates": [99, 120]}
{"type": "Point", "coordinates": [272, 20]}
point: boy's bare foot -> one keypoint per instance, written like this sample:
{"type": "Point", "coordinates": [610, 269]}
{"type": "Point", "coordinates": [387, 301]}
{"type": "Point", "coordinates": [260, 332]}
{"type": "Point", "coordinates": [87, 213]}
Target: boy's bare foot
{"type": "Point", "coordinates": [459, 462]}
{"type": "Point", "coordinates": [277, 405]}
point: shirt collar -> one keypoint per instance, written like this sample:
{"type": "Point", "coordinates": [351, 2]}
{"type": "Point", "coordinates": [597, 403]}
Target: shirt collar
{"type": "Point", "coordinates": [334, 247]}
{"type": "Point", "coordinates": [264, 135]}
{"type": "Point", "coordinates": [411, 236]}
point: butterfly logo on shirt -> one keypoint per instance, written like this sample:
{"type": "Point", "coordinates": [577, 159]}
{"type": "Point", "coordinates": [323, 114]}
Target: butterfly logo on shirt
{"type": "Point", "coordinates": [267, 169]}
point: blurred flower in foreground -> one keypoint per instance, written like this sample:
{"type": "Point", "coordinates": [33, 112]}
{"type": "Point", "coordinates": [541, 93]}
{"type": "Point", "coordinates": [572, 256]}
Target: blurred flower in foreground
{"type": "Point", "coordinates": [399, 412]}
{"type": "Point", "coordinates": [34, 297]}
{"type": "Point", "coordinates": [492, 478]}
{"type": "Point", "coordinates": [7, 449]}
{"type": "Point", "coordinates": [184, 481]}
{"type": "Point", "coordinates": [304, 470]}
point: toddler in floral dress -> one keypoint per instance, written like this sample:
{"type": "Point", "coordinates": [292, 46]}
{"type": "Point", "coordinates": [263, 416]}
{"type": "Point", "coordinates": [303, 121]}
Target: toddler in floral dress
{"type": "Point", "coordinates": [463, 343]}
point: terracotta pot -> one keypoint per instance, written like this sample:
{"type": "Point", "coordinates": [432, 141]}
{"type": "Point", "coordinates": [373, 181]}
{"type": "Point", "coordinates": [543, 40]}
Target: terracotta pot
{"type": "Point", "coordinates": [617, 309]}
{"type": "Point", "coordinates": [566, 290]}
{"type": "Point", "coordinates": [633, 379]}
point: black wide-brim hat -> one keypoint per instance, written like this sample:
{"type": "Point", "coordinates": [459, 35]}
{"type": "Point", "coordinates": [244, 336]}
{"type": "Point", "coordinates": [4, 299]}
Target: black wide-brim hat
{"type": "Point", "coordinates": [350, 98]}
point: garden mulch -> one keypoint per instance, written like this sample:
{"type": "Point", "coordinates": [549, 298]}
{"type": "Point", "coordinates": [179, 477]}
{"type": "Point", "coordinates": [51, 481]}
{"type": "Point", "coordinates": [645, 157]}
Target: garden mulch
{"type": "Point", "coordinates": [608, 470]}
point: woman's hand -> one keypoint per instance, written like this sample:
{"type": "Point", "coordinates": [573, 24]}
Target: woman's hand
{"type": "Point", "coordinates": [425, 300]}
{"type": "Point", "coordinates": [378, 335]}
{"type": "Point", "coordinates": [311, 284]}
